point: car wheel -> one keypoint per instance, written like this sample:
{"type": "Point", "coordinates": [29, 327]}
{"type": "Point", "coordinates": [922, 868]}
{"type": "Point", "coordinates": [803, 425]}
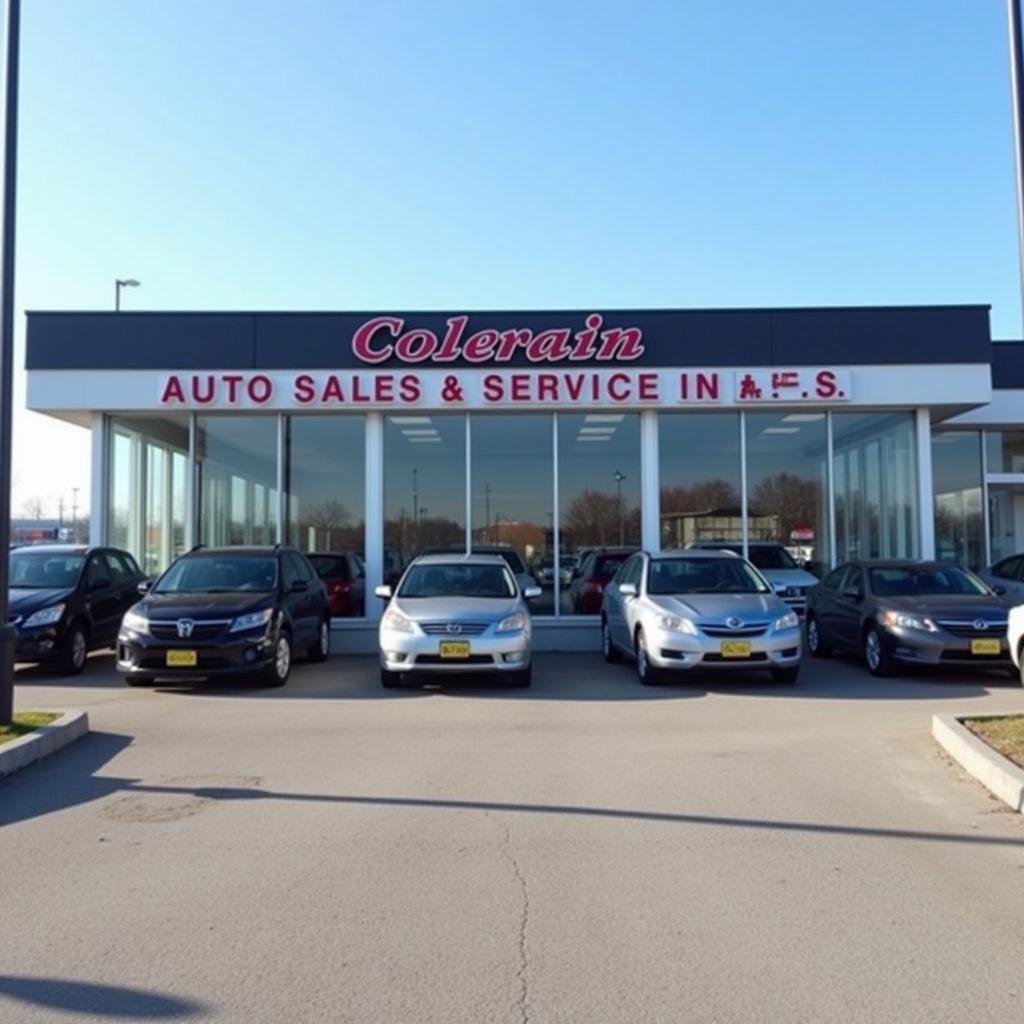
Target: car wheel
{"type": "Point", "coordinates": [878, 660]}
{"type": "Point", "coordinates": [608, 649]}
{"type": "Point", "coordinates": [74, 650]}
{"type": "Point", "coordinates": [786, 675]}
{"type": "Point", "coordinates": [815, 641]}
{"type": "Point", "coordinates": [645, 671]}
{"type": "Point", "coordinates": [322, 648]}
{"type": "Point", "coordinates": [523, 678]}
{"type": "Point", "coordinates": [390, 680]}
{"type": "Point", "coordinates": [280, 667]}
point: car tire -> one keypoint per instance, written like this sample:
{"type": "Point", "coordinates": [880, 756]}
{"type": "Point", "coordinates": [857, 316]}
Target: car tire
{"type": "Point", "coordinates": [786, 675]}
{"type": "Point", "coordinates": [611, 653]}
{"type": "Point", "coordinates": [645, 671]}
{"type": "Point", "coordinates": [280, 667]}
{"type": "Point", "coordinates": [815, 641]}
{"type": "Point", "coordinates": [876, 657]}
{"type": "Point", "coordinates": [523, 678]}
{"type": "Point", "coordinates": [321, 650]}
{"type": "Point", "coordinates": [390, 680]}
{"type": "Point", "coordinates": [74, 650]}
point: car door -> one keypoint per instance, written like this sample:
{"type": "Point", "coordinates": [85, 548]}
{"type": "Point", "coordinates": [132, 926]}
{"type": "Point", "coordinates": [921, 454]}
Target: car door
{"type": "Point", "coordinates": [850, 608]}
{"type": "Point", "coordinates": [101, 601]}
{"type": "Point", "coordinates": [301, 598]}
{"type": "Point", "coordinates": [124, 577]}
{"type": "Point", "coordinates": [826, 604]}
{"type": "Point", "coordinates": [616, 603]}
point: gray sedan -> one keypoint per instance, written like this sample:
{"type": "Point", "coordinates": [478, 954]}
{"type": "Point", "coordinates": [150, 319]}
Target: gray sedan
{"type": "Point", "coordinates": [681, 611]}
{"type": "Point", "coordinates": [453, 614]}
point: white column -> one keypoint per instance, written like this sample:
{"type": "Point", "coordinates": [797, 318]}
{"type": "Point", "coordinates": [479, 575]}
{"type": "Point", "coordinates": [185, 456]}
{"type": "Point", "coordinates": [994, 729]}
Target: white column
{"type": "Point", "coordinates": [650, 486]}
{"type": "Point", "coordinates": [833, 556]}
{"type": "Point", "coordinates": [374, 535]}
{"type": "Point", "coordinates": [925, 497]}
{"type": "Point", "coordinates": [99, 479]}
{"type": "Point", "coordinates": [191, 517]}
{"type": "Point", "coordinates": [744, 506]}
{"type": "Point", "coordinates": [282, 504]}
{"type": "Point", "coordinates": [985, 511]}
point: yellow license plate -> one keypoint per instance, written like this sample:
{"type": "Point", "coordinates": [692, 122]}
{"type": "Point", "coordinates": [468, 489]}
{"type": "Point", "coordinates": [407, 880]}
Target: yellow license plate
{"type": "Point", "coordinates": [182, 659]}
{"type": "Point", "coordinates": [986, 647]}
{"type": "Point", "coordinates": [454, 649]}
{"type": "Point", "coordinates": [735, 649]}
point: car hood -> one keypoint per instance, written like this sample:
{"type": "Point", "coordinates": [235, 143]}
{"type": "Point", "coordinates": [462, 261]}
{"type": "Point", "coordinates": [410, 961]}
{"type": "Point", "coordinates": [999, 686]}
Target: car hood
{"type": "Point", "coordinates": [445, 609]}
{"type": "Point", "coordinates": [200, 606]}
{"type": "Point", "coordinates": [789, 577]}
{"type": "Point", "coordinates": [25, 600]}
{"type": "Point", "coordinates": [718, 607]}
{"type": "Point", "coordinates": [950, 606]}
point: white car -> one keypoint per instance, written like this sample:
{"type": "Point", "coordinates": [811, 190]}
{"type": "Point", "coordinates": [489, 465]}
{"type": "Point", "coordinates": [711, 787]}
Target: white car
{"type": "Point", "coordinates": [1015, 638]}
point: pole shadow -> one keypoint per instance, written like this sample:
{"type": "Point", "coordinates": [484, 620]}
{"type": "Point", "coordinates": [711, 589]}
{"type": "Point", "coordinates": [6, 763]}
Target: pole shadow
{"type": "Point", "coordinates": [114, 1002]}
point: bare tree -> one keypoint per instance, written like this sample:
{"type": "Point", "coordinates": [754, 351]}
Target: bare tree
{"type": "Point", "coordinates": [32, 508]}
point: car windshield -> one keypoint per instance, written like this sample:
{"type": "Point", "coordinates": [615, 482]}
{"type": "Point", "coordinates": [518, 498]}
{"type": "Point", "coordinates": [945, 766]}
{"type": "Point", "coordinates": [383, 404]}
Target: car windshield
{"type": "Point", "coordinates": [458, 580]}
{"type": "Point", "coordinates": [704, 576]}
{"type": "Point", "coordinates": [212, 574]}
{"type": "Point", "coordinates": [924, 581]}
{"type": "Point", "coordinates": [39, 569]}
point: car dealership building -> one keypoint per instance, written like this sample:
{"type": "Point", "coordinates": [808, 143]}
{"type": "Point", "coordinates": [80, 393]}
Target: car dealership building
{"type": "Point", "coordinates": [836, 432]}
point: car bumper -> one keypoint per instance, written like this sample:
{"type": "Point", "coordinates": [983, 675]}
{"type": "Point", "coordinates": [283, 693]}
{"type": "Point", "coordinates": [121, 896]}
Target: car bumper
{"type": "Point", "coordinates": [37, 645]}
{"type": "Point", "coordinates": [912, 648]}
{"type": "Point", "coordinates": [682, 652]}
{"type": "Point", "coordinates": [144, 657]}
{"type": "Point", "coordinates": [410, 652]}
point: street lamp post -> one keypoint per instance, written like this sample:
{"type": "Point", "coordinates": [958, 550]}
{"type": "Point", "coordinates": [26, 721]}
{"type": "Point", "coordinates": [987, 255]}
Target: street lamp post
{"type": "Point", "coordinates": [619, 477]}
{"type": "Point", "coordinates": [128, 282]}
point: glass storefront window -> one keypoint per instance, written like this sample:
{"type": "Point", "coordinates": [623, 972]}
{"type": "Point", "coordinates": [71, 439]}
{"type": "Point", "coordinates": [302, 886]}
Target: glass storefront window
{"type": "Point", "coordinates": [513, 502]}
{"type": "Point", "coordinates": [236, 457]}
{"type": "Point", "coordinates": [956, 478]}
{"type": "Point", "coordinates": [875, 479]}
{"type": "Point", "coordinates": [1005, 451]}
{"type": "Point", "coordinates": [787, 481]}
{"type": "Point", "coordinates": [424, 488]}
{"type": "Point", "coordinates": [598, 494]}
{"type": "Point", "coordinates": [325, 484]}
{"type": "Point", "coordinates": [146, 497]}
{"type": "Point", "coordinates": [699, 465]}
{"type": "Point", "coordinates": [1006, 519]}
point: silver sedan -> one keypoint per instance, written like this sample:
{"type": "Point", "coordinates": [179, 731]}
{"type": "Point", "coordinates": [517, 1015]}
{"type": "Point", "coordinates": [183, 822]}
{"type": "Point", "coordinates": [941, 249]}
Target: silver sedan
{"type": "Point", "coordinates": [453, 614]}
{"type": "Point", "coordinates": [684, 610]}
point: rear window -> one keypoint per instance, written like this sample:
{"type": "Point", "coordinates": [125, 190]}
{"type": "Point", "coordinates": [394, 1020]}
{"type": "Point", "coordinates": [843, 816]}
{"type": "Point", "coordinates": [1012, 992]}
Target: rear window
{"type": "Point", "coordinates": [606, 566]}
{"type": "Point", "coordinates": [771, 557]}
{"type": "Point", "coordinates": [329, 567]}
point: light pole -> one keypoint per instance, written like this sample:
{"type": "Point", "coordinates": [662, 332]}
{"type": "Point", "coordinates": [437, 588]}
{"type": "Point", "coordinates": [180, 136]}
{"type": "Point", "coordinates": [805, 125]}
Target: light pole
{"type": "Point", "coordinates": [128, 282]}
{"type": "Point", "coordinates": [8, 633]}
{"type": "Point", "coordinates": [1013, 10]}
{"type": "Point", "coordinates": [619, 477]}
{"type": "Point", "coordinates": [74, 515]}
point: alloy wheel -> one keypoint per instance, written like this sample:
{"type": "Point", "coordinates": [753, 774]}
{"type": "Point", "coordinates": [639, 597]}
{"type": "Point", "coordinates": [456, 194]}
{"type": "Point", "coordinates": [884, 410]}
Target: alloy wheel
{"type": "Point", "coordinates": [283, 658]}
{"type": "Point", "coordinates": [813, 639]}
{"type": "Point", "coordinates": [872, 651]}
{"type": "Point", "coordinates": [325, 639]}
{"type": "Point", "coordinates": [79, 650]}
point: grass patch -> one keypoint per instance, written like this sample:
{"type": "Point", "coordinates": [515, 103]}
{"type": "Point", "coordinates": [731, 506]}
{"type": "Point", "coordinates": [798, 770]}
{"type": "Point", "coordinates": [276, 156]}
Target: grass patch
{"type": "Point", "coordinates": [1003, 734]}
{"type": "Point", "coordinates": [25, 722]}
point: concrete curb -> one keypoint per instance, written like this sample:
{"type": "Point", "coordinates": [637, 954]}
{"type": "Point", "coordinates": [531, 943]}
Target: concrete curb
{"type": "Point", "coordinates": [41, 742]}
{"type": "Point", "coordinates": [1000, 775]}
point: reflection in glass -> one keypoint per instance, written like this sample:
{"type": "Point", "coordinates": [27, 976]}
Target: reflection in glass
{"type": "Point", "coordinates": [875, 479]}
{"type": "Point", "coordinates": [424, 488]}
{"type": "Point", "coordinates": [1006, 519]}
{"type": "Point", "coordinates": [1005, 451]}
{"type": "Point", "coordinates": [699, 464]}
{"type": "Point", "coordinates": [236, 458]}
{"type": "Point", "coordinates": [956, 479]}
{"type": "Point", "coordinates": [787, 477]}
{"type": "Point", "coordinates": [512, 472]}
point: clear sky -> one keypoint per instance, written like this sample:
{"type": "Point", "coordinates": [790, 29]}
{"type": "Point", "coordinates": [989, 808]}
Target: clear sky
{"type": "Point", "coordinates": [460, 154]}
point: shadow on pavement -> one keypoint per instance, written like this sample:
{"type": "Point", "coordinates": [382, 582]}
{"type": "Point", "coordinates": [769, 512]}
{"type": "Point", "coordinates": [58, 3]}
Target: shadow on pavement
{"type": "Point", "coordinates": [99, 671]}
{"type": "Point", "coordinates": [83, 997]}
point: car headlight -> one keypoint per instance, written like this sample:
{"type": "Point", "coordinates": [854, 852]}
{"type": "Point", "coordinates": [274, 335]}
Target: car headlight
{"type": "Point", "coordinates": [904, 621]}
{"type": "Point", "coordinates": [252, 620]}
{"type": "Point", "coordinates": [677, 624]}
{"type": "Point", "coordinates": [787, 621]}
{"type": "Point", "coordinates": [396, 622]}
{"type": "Point", "coordinates": [135, 622]}
{"type": "Point", "coordinates": [511, 623]}
{"type": "Point", "coordinates": [44, 617]}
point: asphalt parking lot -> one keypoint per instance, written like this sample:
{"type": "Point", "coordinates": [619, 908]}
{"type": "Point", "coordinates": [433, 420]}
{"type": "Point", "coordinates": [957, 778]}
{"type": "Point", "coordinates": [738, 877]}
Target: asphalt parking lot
{"type": "Point", "coordinates": [586, 850]}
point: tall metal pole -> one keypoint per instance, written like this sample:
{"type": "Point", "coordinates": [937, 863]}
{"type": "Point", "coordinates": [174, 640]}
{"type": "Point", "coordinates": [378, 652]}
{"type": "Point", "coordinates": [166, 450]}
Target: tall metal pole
{"type": "Point", "coordinates": [117, 296]}
{"type": "Point", "coordinates": [1013, 8]}
{"type": "Point", "coordinates": [7, 632]}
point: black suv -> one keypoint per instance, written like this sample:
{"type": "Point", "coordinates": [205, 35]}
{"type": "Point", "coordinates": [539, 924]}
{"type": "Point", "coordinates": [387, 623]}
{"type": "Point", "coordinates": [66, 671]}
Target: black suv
{"type": "Point", "coordinates": [226, 611]}
{"type": "Point", "coordinates": [66, 600]}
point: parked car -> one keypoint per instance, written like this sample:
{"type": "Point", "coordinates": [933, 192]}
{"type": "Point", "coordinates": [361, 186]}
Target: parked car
{"type": "Point", "coordinates": [790, 580]}
{"type": "Point", "coordinates": [566, 566]}
{"type": "Point", "coordinates": [1007, 577]}
{"type": "Point", "coordinates": [1015, 639]}
{"type": "Point", "coordinates": [394, 563]}
{"type": "Point", "coordinates": [454, 614]}
{"type": "Point", "coordinates": [908, 613]}
{"type": "Point", "coordinates": [524, 578]}
{"type": "Point", "coordinates": [226, 611]}
{"type": "Point", "coordinates": [66, 600]}
{"type": "Point", "coordinates": [345, 578]}
{"type": "Point", "coordinates": [592, 576]}
{"type": "Point", "coordinates": [544, 572]}
{"type": "Point", "coordinates": [691, 610]}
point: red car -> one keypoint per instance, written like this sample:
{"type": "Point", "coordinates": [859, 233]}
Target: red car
{"type": "Point", "coordinates": [343, 575]}
{"type": "Point", "coordinates": [592, 576]}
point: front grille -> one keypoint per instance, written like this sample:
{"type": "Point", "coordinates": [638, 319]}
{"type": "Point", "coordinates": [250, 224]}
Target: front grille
{"type": "Point", "coordinates": [756, 656]}
{"type": "Point", "coordinates": [465, 628]}
{"type": "Point", "coordinates": [200, 631]}
{"type": "Point", "coordinates": [436, 659]}
{"type": "Point", "coordinates": [750, 629]}
{"type": "Point", "coordinates": [966, 627]}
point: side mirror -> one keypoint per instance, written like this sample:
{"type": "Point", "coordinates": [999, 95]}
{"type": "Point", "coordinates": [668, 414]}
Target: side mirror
{"type": "Point", "coordinates": [144, 586]}
{"type": "Point", "coordinates": [627, 589]}
{"type": "Point", "coordinates": [853, 593]}
{"type": "Point", "coordinates": [531, 592]}
{"type": "Point", "coordinates": [383, 592]}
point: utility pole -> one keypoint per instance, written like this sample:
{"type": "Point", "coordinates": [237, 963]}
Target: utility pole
{"type": "Point", "coordinates": [74, 515]}
{"type": "Point", "coordinates": [8, 633]}
{"type": "Point", "coordinates": [60, 516]}
{"type": "Point", "coordinates": [1013, 8]}
{"type": "Point", "coordinates": [619, 477]}
{"type": "Point", "coordinates": [487, 509]}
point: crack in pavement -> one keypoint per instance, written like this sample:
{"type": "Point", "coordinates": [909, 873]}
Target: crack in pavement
{"type": "Point", "coordinates": [523, 1002]}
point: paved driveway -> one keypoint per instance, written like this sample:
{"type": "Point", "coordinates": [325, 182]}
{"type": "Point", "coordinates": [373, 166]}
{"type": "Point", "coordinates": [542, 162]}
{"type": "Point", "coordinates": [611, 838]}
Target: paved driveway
{"type": "Point", "coordinates": [585, 851]}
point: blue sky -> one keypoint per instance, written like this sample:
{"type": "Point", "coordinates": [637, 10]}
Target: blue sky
{"type": "Point", "coordinates": [247, 154]}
